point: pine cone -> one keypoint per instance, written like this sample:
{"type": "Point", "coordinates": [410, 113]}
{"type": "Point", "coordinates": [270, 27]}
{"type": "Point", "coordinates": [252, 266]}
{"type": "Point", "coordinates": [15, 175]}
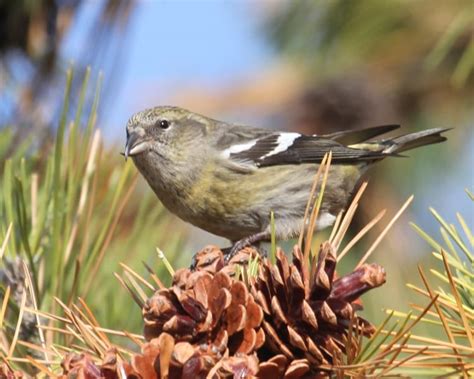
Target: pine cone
{"type": "Point", "coordinates": [307, 310]}
{"type": "Point", "coordinates": [164, 357]}
{"type": "Point", "coordinates": [8, 373]}
{"type": "Point", "coordinates": [85, 366]}
{"type": "Point", "coordinates": [284, 323]}
{"type": "Point", "coordinates": [207, 307]}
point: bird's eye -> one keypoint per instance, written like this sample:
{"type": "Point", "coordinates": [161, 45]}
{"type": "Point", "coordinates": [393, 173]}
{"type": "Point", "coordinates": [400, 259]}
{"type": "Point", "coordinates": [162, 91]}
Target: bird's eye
{"type": "Point", "coordinates": [164, 124]}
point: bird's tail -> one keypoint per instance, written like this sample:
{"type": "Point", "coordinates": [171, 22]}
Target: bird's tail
{"type": "Point", "coordinates": [412, 141]}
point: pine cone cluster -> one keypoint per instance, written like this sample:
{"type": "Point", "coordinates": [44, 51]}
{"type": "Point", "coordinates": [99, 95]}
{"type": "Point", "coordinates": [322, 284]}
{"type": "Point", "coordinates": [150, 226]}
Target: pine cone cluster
{"type": "Point", "coordinates": [247, 319]}
{"type": "Point", "coordinates": [285, 322]}
{"type": "Point", "coordinates": [308, 310]}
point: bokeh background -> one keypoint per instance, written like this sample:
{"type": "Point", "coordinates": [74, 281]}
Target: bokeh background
{"type": "Point", "coordinates": [308, 66]}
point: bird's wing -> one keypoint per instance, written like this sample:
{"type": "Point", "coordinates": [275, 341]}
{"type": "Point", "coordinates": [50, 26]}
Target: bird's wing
{"type": "Point", "coordinates": [292, 148]}
{"type": "Point", "coordinates": [351, 137]}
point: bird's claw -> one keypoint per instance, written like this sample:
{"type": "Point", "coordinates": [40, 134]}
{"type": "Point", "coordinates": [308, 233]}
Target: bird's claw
{"type": "Point", "coordinates": [193, 264]}
{"type": "Point", "coordinates": [239, 245]}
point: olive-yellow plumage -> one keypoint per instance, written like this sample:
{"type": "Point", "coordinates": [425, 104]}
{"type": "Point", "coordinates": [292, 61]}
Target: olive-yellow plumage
{"type": "Point", "coordinates": [227, 178]}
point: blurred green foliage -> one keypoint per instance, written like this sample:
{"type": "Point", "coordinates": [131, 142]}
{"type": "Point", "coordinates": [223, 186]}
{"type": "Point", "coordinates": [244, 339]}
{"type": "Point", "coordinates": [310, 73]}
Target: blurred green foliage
{"type": "Point", "coordinates": [339, 35]}
{"type": "Point", "coordinates": [72, 211]}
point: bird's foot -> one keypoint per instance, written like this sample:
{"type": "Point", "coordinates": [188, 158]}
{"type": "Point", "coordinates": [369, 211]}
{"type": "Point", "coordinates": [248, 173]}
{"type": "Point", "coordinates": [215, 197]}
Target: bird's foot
{"type": "Point", "coordinates": [243, 243]}
{"type": "Point", "coordinates": [230, 252]}
{"type": "Point", "coordinates": [211, 254]}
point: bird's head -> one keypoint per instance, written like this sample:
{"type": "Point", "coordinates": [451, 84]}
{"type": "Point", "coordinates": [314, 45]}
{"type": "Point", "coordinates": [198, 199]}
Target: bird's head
{"type": "Point", "coordinates": [164, 132]}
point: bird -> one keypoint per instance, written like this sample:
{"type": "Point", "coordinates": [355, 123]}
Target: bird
{"type": "Point", "coordinates": [227, 178]}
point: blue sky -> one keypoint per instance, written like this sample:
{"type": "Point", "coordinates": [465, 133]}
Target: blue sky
{"type": "Point", "coordinates": [171, 44]}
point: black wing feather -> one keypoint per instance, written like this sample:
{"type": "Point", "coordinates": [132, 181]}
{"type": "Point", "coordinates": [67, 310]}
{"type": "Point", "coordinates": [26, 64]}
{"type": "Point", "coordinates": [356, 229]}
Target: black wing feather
{"type": "Point", "coordinates": [351, 137]}
{"type": "Point", "coordinates": [304, 149]}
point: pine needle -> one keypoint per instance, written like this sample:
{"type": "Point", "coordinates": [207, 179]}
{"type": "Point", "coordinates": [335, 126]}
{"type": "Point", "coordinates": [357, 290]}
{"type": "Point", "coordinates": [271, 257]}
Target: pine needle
{"type": "Point", "coordinates": [34, 200]}
{"type": "Point", "coordinates": [316, 208]}
{"type": "Point", "coordinates": [310, 201]}
{"type": "Point", "coordinates": [384, 232]}
{"type": "Point", "coordinates": [3, 248]}
{"type": "Point", "coordinates": [453, 235]}
{"type": "Point", "coordinates": [406, 328]}
{"type": "Point", "coordinates": [55, 329]}
{"type": "Point", "coordinates": [273, 237]}
{"type": "Point", "coordinates": [396, 353]}
{"type": "Point", "coordinates": [138, 290]}
{"type": "Point", "coordinates": [140, 278]}
{"type": "Point", "coordinates": [446, 327]}
{"type": "Point", "coordinates": [18, 325]}
{"type": "Point", "coordinates": [165, 261]}
{"type": "Point", "coordinates": [455, 293]}
{"type": "Point", "coordinates": [373, 337]}
{"type": "Point", "coordinates": [361, 234]}
{"type": "Point", "coordinates": [435, 245]}
{"type": "Point", "coordinates": [91, 163]}
{"type": "Point", "coordinates": [41, 367]}
{"type": "Point", "coordinates": [84, 332]}
{"type": "Point", "coordinates": [442, 299]}
{"type": "Point", "coordinates": [33, 346]}
{"type": "Point", "coordinates": [135, 338]}
{"type": "Point", "coordinates": [31, 290]}
{"type": "Point", "coordinates": [93, 321]}
{"type": "Point", "coordinates": [135, 297]}
{"type": "Point", "coordinates": [4, 306]}
{"type": "Point", "coordinates": [335, 228]}
{"type": "Point", "coordinates": [155, 278]}
{"type": "Point", "coordinates": [466, 229]}
{"type": "Point", "coordinates": [112, 332]}
{"type": "Point", "coordinates": [110, 233]}
{"type": "Point", "coordinates": [91, 338]}
{"type": "Point", "coordinates": [397, 364]}
{"type": "Point", "coordinates": [470, 194]}
{"type": "Point", "coordinates": [349, 214]}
